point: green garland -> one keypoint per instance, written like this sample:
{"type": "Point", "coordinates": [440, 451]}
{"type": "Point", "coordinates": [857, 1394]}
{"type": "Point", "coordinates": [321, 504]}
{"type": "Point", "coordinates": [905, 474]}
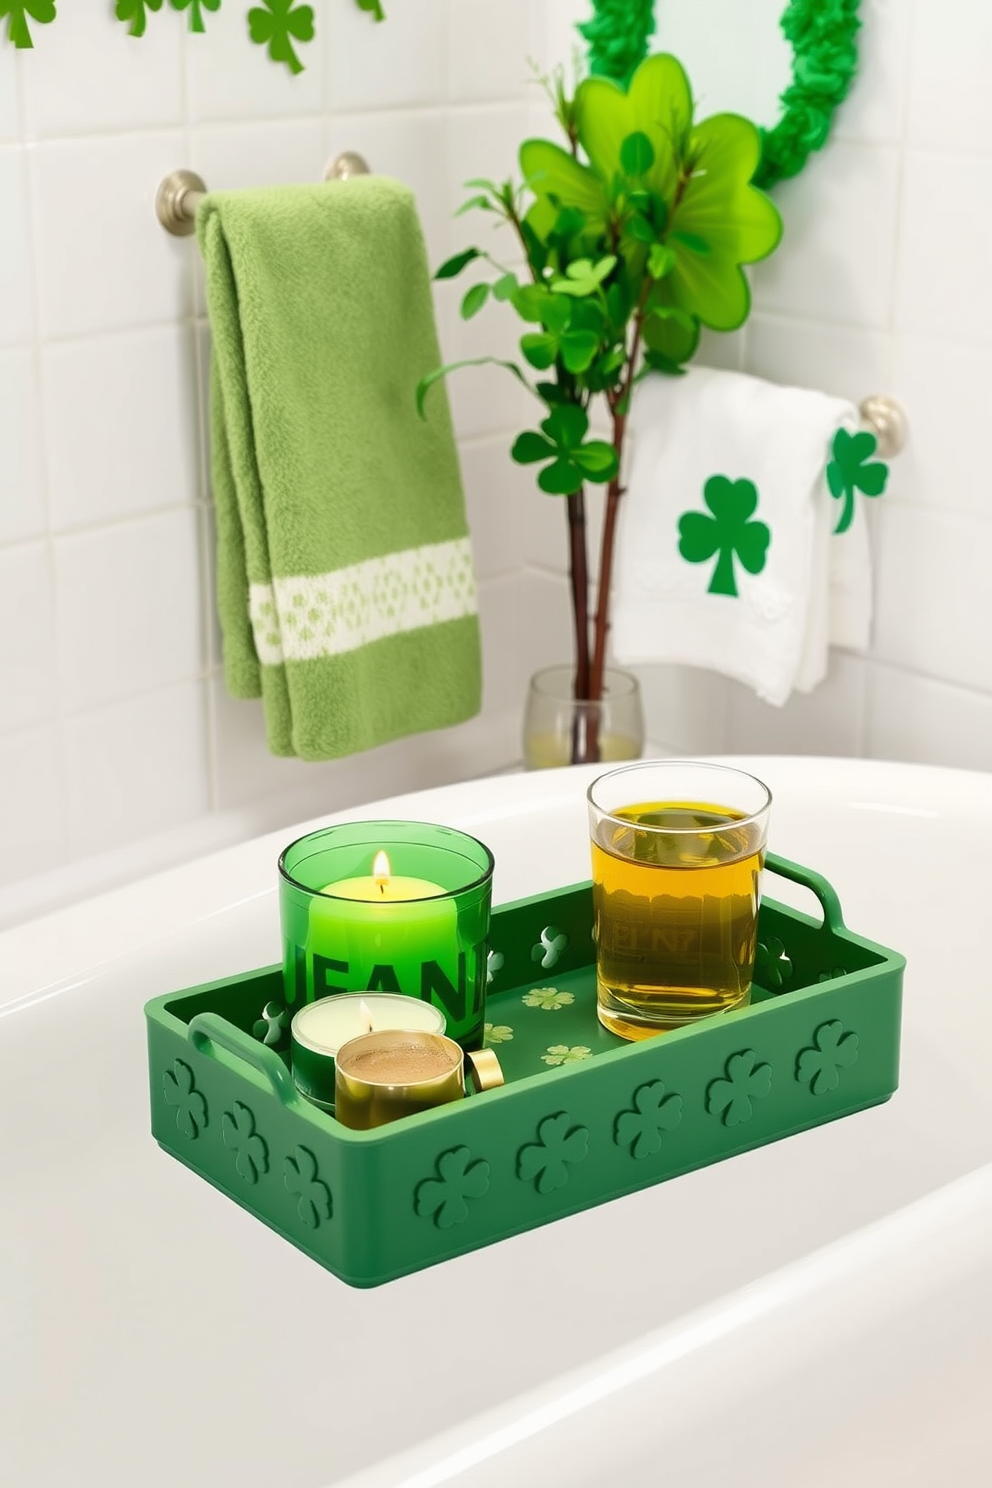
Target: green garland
{"type": "Point", "coordinates": [618, 37]}
{"type": "Point", "coordinates": [824, 62]}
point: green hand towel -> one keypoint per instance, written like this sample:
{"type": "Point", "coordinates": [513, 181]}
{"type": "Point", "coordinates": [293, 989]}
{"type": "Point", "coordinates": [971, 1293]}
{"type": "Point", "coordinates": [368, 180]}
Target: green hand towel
{"type": "Point", "coordinates": [345, 585]}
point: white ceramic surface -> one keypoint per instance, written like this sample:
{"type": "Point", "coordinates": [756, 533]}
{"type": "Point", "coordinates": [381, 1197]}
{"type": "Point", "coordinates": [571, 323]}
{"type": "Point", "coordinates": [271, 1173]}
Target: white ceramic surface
{"type": "Point", "coordinates": [826, 1299]}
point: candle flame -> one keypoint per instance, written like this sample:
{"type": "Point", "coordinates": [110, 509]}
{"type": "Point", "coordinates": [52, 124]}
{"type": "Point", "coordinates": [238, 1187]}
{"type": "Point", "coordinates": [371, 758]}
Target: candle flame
{"type": "Point", "coordinates": [366, 1014]}
{"type": "Point", "coordinates": [381, 871]}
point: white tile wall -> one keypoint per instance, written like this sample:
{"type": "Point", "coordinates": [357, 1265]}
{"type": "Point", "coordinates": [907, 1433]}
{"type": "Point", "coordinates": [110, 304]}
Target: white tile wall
{"type": "Point", "coordinates": [114, 725]}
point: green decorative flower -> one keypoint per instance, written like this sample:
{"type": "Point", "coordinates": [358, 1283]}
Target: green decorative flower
{"type": "Point", "coordinates": [746, 1081]}
{"type": "Point", "coordinates": [550, 948]}
{"type": "Point", "coordinates": [134, 14]}
{"type": "Point", "coordinates": [314, 1197]}
{"type": "Point", "coordinates": [458, 1178]}
{"type": "Point", "coordinates": [271, 1025]}
{"type": "Point", "coordinates": [548, 998]}
{"type": "Point", "coordinates": [574, 458]}
{"type": "Point", "coordinates": [558, 1148]}
{"type": "Point", "coordinates": [833, 1050]}
{"type": "Point", "coordinates": [654, 1113]}
{"type": "Point", "coordinates": [772, 966]}
{"type": "Point", "coordinates": [18, 12]}
{"type": "Point", "coordinates": [196, 9]}
{"type": "Point", "coordinates": [180, 1091]}
{"type": "Point", "coordinates": [251, 1151]}
{"type": "Point", "coordinates": [729, 532]}
{"type": "Point", "coordinates": [497, 1033]}
{"type": "Point", "coordinates": [853, 469]}
{"type": "Point", "coordinates": [278, 25]}
{"type": "Point", "coordinates": [695, 196]}
{"type": "Point", "coordinates": [373, 7]}
{"type": "Point", "coordinates": [562, 1054]}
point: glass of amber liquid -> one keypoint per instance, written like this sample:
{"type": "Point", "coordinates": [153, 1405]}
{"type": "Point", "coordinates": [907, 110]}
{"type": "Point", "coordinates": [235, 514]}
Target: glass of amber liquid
{"type": "Point", "coordinates": [677, 850]}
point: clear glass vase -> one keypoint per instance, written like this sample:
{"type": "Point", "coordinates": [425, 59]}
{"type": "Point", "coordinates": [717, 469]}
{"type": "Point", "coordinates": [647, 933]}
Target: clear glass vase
{"type": "Point", "coordinates": [560, 729]}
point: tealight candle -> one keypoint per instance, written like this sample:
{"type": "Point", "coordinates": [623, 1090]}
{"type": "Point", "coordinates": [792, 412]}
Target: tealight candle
{"type": "Point", "coordinates": [320, 1028]}
{"type": "Point", "coordinates": [395, 907]}
{"type": "Point", "coordinates": [380, 1077]}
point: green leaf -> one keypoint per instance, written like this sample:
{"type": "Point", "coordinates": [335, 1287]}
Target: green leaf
{"type": "Point", "coordinates": [482, 202]}
{"type": "Point", "coordinates": [539, 348]}
{"type": "Point", "coordinates": [561, 478]}
{"type": "Point", "coordinates": [458, 261]}
{"type": "Point", "coordinates": [661, 260]}
{"type": "Point", "coordinates": [636, 153]}
{"type": "Point", "coordinates": [528, 301]}
{"type": "Point", "coordinates": [474, 300]}
{"type": "Point", "coordinates": [556, 312]}
{"type": "Point", "coordinates": [597, 460]}
{"type": "Point", "coordinates": [530, 447]}
{"type": "Point", "coordinates": [583, 277]}
{"type": "Point", "coordinates": [567, 425]}
{"type": "Point", "coordinates": [505, 287]}
{"type": "Point", "coordinates": [578, 349]}
{"type": "Point", "coordinates": [640, 229]}
{"type": "Point", "coordinates": [479, 183]}
{"type": "Point", "coordinates": [569, 223]}
{"type": "Point", "coordinates": [426, 383]}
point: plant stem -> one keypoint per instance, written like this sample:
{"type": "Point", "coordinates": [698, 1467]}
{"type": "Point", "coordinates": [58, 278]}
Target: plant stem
{"type": "Point", "coordinates": [619, 407]}
{"type": "Point", "coordinates": [578, 577]}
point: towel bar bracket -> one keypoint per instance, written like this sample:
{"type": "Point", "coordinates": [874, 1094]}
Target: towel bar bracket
{"type": "Point", "coordinates": [181, 192]}
{"type": "Point", "coordinates": [176, 201]}
{"type": "Point", "coordinates": [887, 420]}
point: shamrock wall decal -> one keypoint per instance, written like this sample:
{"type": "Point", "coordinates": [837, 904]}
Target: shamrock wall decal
{"type": "Point", "coordinates": [853, 469]}
{"type": "Point", "coordinates": [278, 25]}
{"type": "Point", "coordinates": [196, 9]}
{"type": "Point", "coordinates": [134, 14]}
{"type": "Point", "coordinates": [729, 532]}
{"type": "Point", "coordinates": [17, 13]}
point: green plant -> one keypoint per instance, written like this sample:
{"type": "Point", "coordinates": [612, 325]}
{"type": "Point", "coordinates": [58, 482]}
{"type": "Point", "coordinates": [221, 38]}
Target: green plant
{"type": "Point", "coordinates": [634, 234]}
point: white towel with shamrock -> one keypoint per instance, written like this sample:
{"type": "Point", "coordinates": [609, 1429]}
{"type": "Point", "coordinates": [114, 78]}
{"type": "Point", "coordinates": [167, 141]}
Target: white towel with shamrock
{"type": "Point", "coordinates": [742, 543]}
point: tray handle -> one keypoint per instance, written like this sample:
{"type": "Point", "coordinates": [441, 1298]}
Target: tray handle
{"type": "Point", "coordinates": [833, 919]}
{"type": "Point", "coordinates": [210, 1028]}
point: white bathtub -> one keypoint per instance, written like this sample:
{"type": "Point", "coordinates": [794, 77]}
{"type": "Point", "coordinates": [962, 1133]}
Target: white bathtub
{"type": "Point", "coordinates": [814, 1310]}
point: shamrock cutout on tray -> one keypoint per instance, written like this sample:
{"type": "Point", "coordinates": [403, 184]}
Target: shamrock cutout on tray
{"type": "Point", "coordinates": [853, 469]}
{"type": "Point", "coordinates": [278, 25]}
{"type": "Point", "coordinates": [18, 12]}
{"type": "Point", "coordinates": [727, 533]}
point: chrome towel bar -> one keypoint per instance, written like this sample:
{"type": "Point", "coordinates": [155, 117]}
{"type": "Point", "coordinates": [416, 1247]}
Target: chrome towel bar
{"type": "Point", "coordinates": [181, 192]}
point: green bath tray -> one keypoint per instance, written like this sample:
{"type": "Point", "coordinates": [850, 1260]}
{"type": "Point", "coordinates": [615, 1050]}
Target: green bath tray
{"type": "Point", "coordinates": [583, 1117]}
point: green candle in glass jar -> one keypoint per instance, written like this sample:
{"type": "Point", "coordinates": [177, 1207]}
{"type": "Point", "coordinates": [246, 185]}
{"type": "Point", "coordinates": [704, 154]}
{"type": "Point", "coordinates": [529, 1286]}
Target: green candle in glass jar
{"type": "Point", "coordinates": [397, 907]}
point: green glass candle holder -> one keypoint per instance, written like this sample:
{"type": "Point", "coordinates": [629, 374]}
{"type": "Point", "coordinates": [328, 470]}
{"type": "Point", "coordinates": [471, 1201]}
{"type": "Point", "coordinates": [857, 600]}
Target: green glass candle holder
{"type": "Point", "coordinates": [419, 925]}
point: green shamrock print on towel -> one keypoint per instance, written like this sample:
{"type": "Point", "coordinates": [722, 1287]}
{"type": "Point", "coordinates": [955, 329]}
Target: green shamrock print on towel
{"type": "Point", "coordinates": [726, 534]}
{"type": "Point", "coordinates": [853, 469]}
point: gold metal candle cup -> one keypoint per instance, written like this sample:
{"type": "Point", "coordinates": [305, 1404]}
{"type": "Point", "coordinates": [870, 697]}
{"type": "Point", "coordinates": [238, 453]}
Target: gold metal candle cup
{"type": "Point", "coordinates": [380, 1077]}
